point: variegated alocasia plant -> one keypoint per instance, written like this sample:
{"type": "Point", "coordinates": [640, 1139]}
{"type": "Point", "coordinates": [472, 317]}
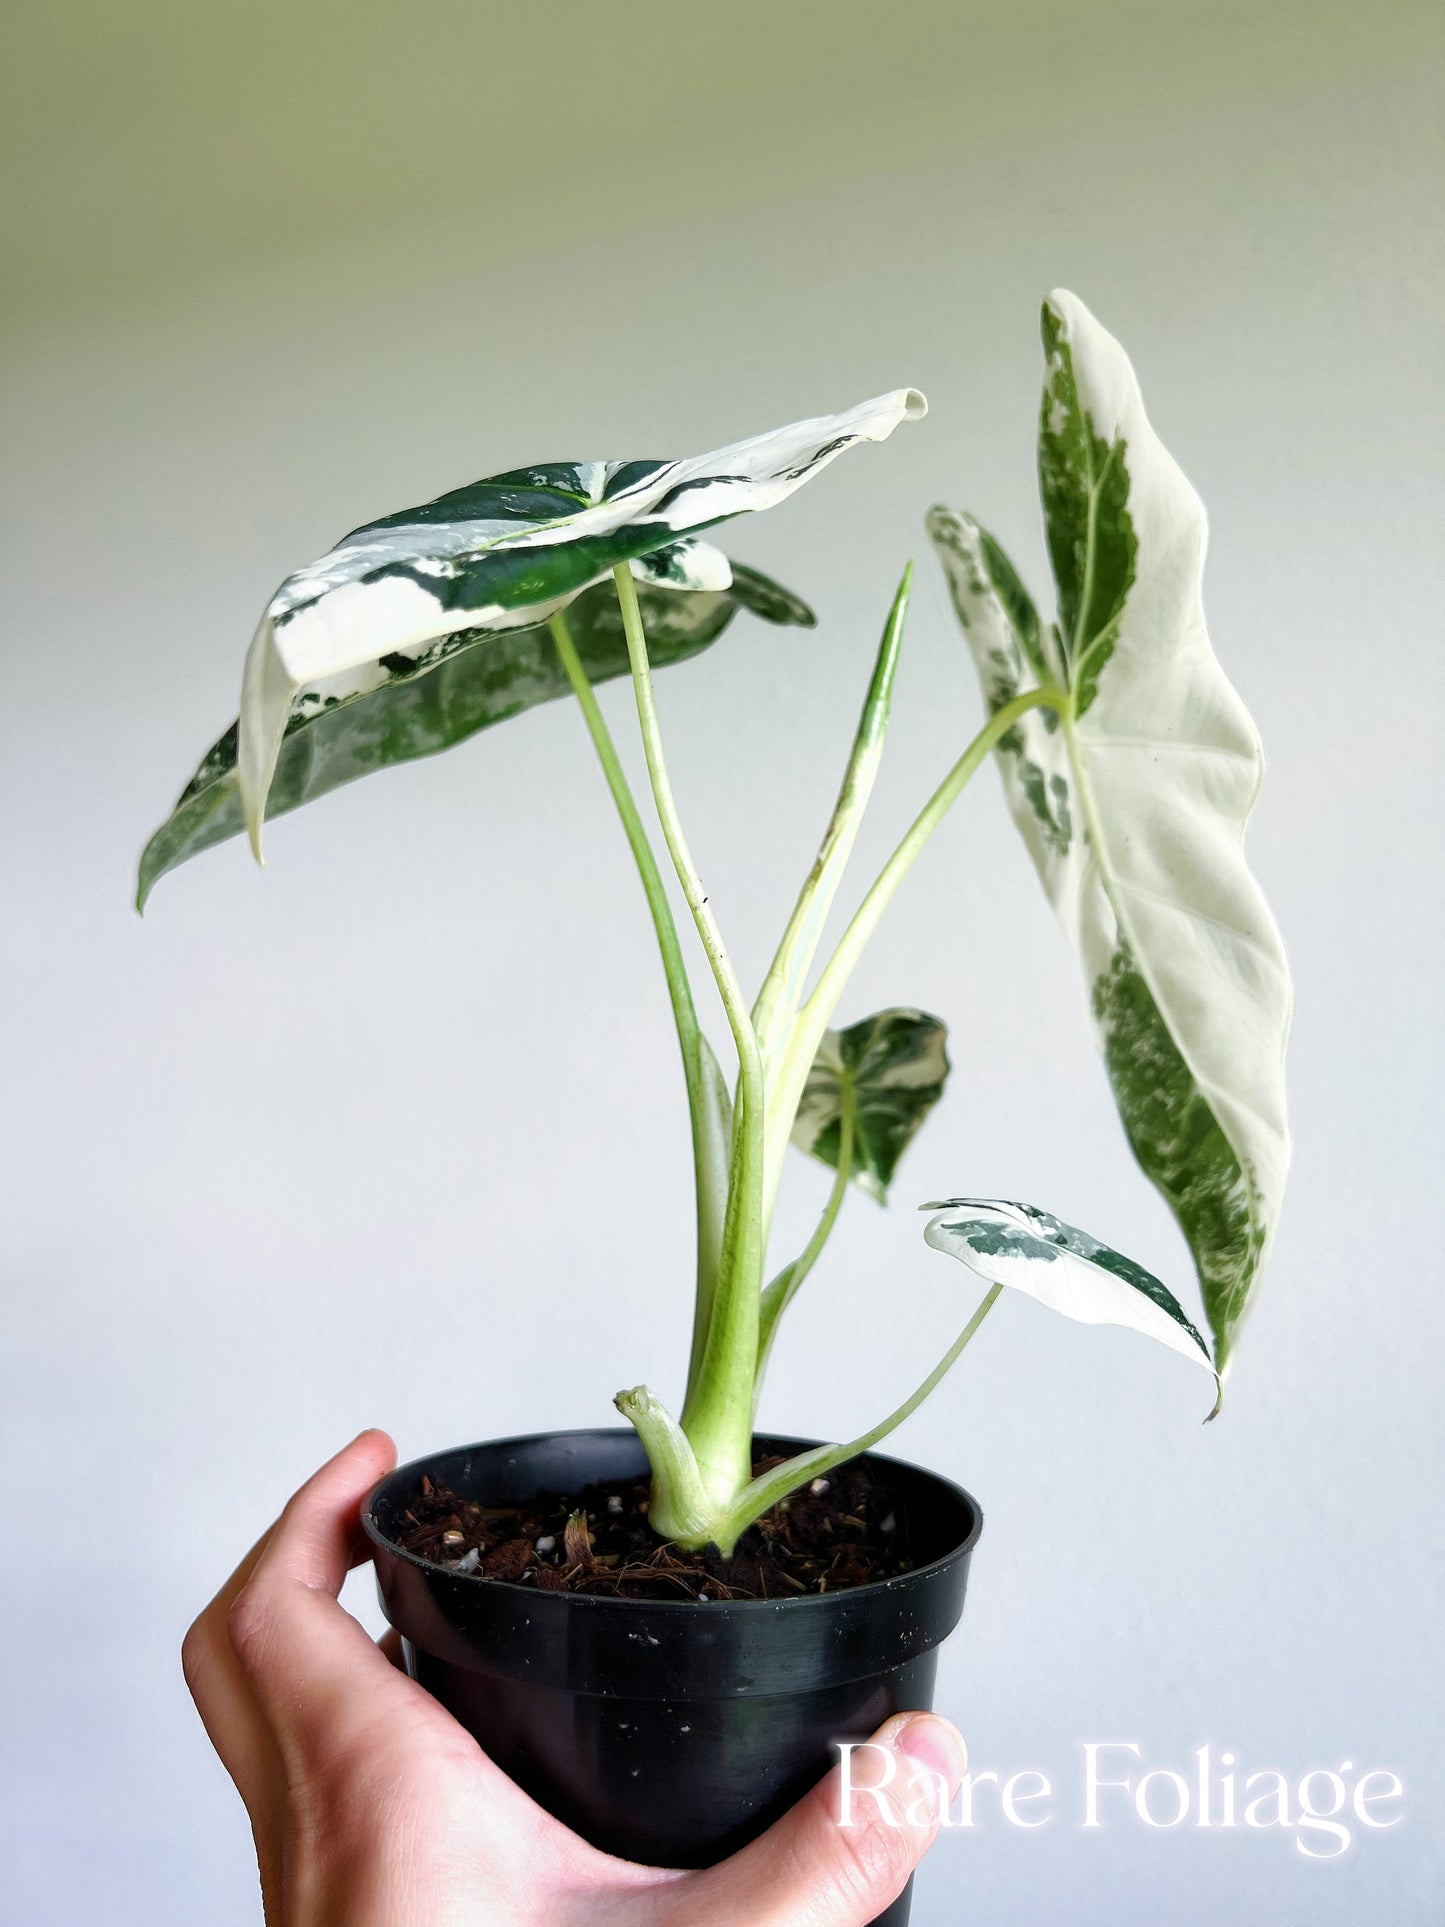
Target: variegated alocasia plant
{"type": "Point", "coordinates": [1130, 765]}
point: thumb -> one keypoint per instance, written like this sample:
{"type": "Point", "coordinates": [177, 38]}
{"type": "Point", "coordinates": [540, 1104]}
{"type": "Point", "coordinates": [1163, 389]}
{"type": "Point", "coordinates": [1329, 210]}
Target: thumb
{"type": "Point", "coordinates": [846, 1851]}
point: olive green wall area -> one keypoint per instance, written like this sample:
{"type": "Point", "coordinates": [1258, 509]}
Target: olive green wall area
{"type": "Point", "coordinates": [394, 1133]}
{"type": "Point", "coordinates": [147, 144]}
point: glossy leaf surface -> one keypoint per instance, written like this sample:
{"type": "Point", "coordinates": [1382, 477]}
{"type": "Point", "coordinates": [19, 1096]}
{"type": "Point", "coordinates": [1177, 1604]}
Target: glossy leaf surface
{"type": "Point", "coordinates": [416, 708]}
{"type": "Point", "coordinates": [507, 552]}
{"type": "Point", "coordinates": [1062, 1267]}
{"type": "Point", "coordinates": [891, 1069]}
{"type": "Point", "coordinates": [1133, 801]}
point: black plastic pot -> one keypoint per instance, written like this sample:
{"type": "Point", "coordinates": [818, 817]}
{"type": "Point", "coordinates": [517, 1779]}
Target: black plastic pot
{"type": "Point", "coordinates": [666, 1732]}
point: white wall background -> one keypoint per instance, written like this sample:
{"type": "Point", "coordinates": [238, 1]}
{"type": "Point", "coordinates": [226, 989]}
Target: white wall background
{"type": "Point", "coordinates": [395, 1134]}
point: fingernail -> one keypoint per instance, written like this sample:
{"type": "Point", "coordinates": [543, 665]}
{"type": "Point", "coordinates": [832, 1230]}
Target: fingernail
{"type": "Point", "coordinates": [932, 1742]}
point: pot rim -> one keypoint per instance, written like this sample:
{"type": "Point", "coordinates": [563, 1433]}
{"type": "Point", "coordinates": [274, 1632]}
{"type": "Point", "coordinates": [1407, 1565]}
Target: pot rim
{"type": "Point", "coordinates": [793, 1602]}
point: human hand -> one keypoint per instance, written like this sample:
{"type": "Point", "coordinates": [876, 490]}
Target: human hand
{"type": "Point", "coordinates": [371, 1807]}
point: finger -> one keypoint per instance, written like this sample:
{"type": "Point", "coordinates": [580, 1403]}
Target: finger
{"type": "Point", "coordinates": [318, 1537]}
{"type": "Point", "coordinates": [295, 1579]}
{"type": "Point", "coordinates": [224, 1698]}
{"type": "Point", "coordinates": [322, 1683]}
{"type": "Point", "coordinates": [846, 1851]}
{"type": "Point", "coordinates": [231, 1709]}
{"type": "Point", "coordinates": [218, 1686]}
{"type": "Point", "coordinates": [232, 1718]}
{"type": "Point", "coordinates": [242, 1573]}
{"type": "Point", "coordinates": [390, 1645]}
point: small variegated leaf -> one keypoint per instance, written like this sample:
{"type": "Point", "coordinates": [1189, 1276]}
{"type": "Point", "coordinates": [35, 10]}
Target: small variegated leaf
{"type": "Point", "coordinates": [1028, 1250]}
{"type": "Point", "coordinates": [688, 564]}
{"type": "Point", "coordinates": [888, 1071]}
{"type": "Point", "coordinates": [404, 708]}
{"type": "Point", "coordinates": [507, 552]}
{"type": "Point", "coordinates": [1133, 798]}
{"type": "Point", "coordinates": [1003, 631]}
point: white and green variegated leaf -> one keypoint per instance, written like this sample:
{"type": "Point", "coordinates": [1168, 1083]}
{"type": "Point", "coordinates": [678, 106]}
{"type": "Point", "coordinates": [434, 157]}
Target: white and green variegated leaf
{"type": "Point", "coordinates": [405, 707]}
{"type": "Point", "coordinates": [1030, 1251]}
{"type": "Point", "coordinates": [887, 1072]}
{"type": "Point", "coordinates": [1133, 799]}
{"type": "Point", "coordinates": [1003, 630]}
{"type": "Point", "coordinates": [507, 552]}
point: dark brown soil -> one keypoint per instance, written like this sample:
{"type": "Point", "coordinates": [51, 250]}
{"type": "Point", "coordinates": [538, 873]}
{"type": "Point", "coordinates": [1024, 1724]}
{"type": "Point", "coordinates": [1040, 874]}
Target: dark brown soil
{"type": "Point", "coordinates": [843, 1530]}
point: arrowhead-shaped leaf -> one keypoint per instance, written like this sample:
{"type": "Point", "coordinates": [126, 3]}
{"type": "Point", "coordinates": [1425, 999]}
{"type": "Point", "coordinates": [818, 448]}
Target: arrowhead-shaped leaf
{"type": "Point", "coordinates": [507, 552]}
{"type": "Point", "coordinates": [1028, 1250]}
{"type": "Point", "coordinates": [1134, 804]}
{"type": "Point", "coordinates": [404, 708]}
{"type": "Point", "coordinates": [890, 1071]}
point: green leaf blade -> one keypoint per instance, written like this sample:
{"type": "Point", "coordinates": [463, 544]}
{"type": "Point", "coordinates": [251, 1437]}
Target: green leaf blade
{"type": "Point", "coordinates": [414, 708]}
{"type": "Point", "coordinates": [1135, 808]}
{"type": "Point", "coordinates": [1005, 637]}
{"type": "Point", "coordinates": [892, 1068]}
{"type": "Point", "coordinates": [1059, 1266]}
{"type": "Point", "coordinates": [1084, 485]}
{"type": "Point", "coordinates": [508, 552]}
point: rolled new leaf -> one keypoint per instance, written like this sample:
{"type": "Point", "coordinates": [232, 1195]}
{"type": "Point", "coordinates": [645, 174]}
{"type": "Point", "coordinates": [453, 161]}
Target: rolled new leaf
{"type": "Point", "coordinates": [408, 707]}
{"type": "Point", "coordinates": [507, 552]}
{"type": "Point", "coordinates": [1133, 800]}
{"type": "Point", "coordinates": [889, 1069]}
{"type": "Point", "coordinates": [1062, 1267]}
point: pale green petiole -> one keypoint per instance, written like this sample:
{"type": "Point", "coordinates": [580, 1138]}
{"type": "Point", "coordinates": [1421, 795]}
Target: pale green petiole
{"type": "Point", "coordinates": [703, 1489]}
{"type": "Point", "coordinates": [706, 1094]}
{"type": "Point", "coordinates": [791, 1067]}
{"type": "Point", "coordinates": [678, 987]}
{"type": "Point", "coordinates": [666, 1444]}
{"type": "Point", "coordinates": [783, 986]}
{"type": "Point", "coordinates": [717, 1415]}
{"type": "Point", "coordinates": [764, 1492]}
{"type": "Point", "coordinates": [865, 921]}
{"type": "Point", "coordinates": [784, 1288]}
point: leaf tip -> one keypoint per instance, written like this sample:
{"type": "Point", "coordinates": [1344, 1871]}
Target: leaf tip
{"type": "Point", "coordinates": [1057, 303]}
{"type": "Point", "coordinates": [897, 614]}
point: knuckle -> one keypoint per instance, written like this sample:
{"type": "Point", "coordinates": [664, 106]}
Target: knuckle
{"type": "Point", "coordinates": [248, 1623]}
{"type": "Point", "coordinates": [195, 1653]}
